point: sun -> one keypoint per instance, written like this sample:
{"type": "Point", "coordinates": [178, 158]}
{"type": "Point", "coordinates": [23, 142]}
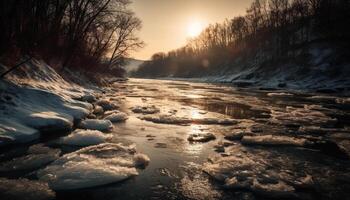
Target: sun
{"type": "Point", "coordinates": [194, 28]}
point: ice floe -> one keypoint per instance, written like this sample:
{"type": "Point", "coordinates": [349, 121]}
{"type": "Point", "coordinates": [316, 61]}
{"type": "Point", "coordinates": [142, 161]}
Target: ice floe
{"type": "Point", "coordinates": [280, 94]}
{"type": "Point", "coordinates": [25, 189]}
{"type": "Point", "coordinates": [93, 166]}
{"type": "Point", "coordinates": [242, 169]}
{"type": "Point", "coordinates": [117, 117]}
{"type": "Point", "coordinates": [171, 119]}
{"type": "Point", "coordinates": [273, 140]}
{"type": "Point", "coordinates": [89, 98]}
{"type": "Point", "coordinates": [300, 116]}
{"type": "Point", "coordinates": [146, 109]}
{"type": "Point", "coordinates": [96, 124]}
{"type": "Point", "coordinates": [37, 156]}
{"type": "Point", "coordinates": [106, 104]}
{"type": "Point", "coordinates": [98, 110]}
{"type": "Point", "coordinates": [201, 137]}
{"type": "Point", "coordinates": [81, 137]}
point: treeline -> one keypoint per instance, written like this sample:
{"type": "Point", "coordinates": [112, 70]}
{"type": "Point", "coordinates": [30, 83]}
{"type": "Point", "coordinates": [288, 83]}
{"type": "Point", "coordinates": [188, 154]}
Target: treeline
{"type": "Point", "coordinates": [270, 29]}
{"type": "Point", "coordinates": [94, 35]}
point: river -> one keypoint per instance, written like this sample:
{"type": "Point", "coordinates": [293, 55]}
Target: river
{"type": "Point", "coordinates": [176, 164]}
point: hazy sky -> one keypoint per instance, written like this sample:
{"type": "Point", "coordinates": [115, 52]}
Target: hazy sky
{"type": "Point", "coordinates": [168, 23]}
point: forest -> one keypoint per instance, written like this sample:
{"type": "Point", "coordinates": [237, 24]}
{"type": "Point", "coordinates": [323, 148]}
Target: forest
{"type": "Point", "coordinates": [89, 35]}
{"type": "Point", "coordinates": [271, 32]}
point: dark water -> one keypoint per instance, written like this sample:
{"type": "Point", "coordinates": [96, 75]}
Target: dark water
{"type": "Point", "coordinates": [175, 170]}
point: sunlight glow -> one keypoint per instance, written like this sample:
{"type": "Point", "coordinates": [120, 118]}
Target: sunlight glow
{"type": "Point", "coordinates": [194, 28]}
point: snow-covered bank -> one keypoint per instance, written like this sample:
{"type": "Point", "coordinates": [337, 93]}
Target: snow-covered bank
{"type": "Point", "coordinates": [317, 67]}
{"type": "Point", "coordinates": [37, 100]}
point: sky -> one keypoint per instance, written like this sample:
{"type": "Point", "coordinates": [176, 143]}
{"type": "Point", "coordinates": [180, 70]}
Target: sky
{"type": "Point", "coordinates": [167, 24]}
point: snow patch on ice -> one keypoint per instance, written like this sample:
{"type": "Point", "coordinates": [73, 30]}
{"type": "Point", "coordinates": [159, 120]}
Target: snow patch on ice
{"type": "Point", "coordinates": [81, 137]}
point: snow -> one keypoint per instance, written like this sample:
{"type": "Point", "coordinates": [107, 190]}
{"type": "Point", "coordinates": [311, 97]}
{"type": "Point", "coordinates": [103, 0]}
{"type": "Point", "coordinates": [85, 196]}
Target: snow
{"type": "Point", "coordinates": [81, 137]}
{"type": "Point", "coordinates": [93, 166]}
{"type": "Point", "coordinates": [25, 189]}
{"type": "Point", "coordinates": [96, 124]}
{"type": "Point", "coordinates": [117, 117]}
{"type": "Point", "coordinates": [26, 111]}
{"type": "Point", "coordinates": [273, 140]}
{"type": "Point", "coordinates": [50, 121]}
{"type": "Point", "coordinates": [37, 156]}
{"type": "Point", "coordinates": [146, 109]}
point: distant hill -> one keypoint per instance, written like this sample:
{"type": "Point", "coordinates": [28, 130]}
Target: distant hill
{"type": "Point", "coordinates": [132, 65]}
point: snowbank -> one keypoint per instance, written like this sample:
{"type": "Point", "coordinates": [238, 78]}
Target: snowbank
{"type": "Point", "coordinates": [84, 138]}
{"type": "Point", "coordinates": [96, 124]}
{"type": "Point", "coordinates": [36, 99]}
{"type": "Point", "coordinates": [93, 166]}
{"type": "Point", "coordinates": [25, 189]}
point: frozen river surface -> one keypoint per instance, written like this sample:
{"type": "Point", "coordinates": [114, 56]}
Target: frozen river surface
{"type": "Point", "coordinates": [210, 141]}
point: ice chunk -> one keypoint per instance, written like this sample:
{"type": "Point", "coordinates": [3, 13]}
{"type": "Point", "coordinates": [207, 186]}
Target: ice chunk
{"type": "Point", "coordinates": [307, 115]}
{"type": "Point", "coordinates": [166, 119]}
{"type": "Point", "coordinates": [253, 171]}
{"type": "Point", "coordinates": [273, 140]}
{"type": "Point", "coordinates": [234, 135]}
{"type": "Point", "coordinates": [214, 121]}
{"type": "Point", "coordinates": [201, 137]}
{"type": "Point", "coordinates": [281, 94]}
{"type": "Point", "coordinates": [96, 124]}
{"type": "Point", "coordinates": [146, 109]}
{"type": "Point", "coordinates": [50, 121]}
{"type": "Point", "coordinates": [274, 190]}
{"type": "Point", "coordinates": [88, 98]}
{"type": "Point", "coordinates": [84, 138]}
{"type": "Point", "coordinates": [93, 166]}
{"type": "Point", "coordinates": [117, 117]}
{"type": "Point", "coordinates": [13, 132]}
{"type": "Point", "coordinates": [37, 156]}
{"type": "Point", "coordinates": [106, 104]}
{"type": "Point", "coordinates": [98, 110]}
{"type": "Point", "coordinates": [171, 119]}
{"type": "Point", "coordinates": [25, 189]}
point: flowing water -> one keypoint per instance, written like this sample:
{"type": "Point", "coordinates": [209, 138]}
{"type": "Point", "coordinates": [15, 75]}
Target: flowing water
{"type": "Point", "coordinates": [175, 170]}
